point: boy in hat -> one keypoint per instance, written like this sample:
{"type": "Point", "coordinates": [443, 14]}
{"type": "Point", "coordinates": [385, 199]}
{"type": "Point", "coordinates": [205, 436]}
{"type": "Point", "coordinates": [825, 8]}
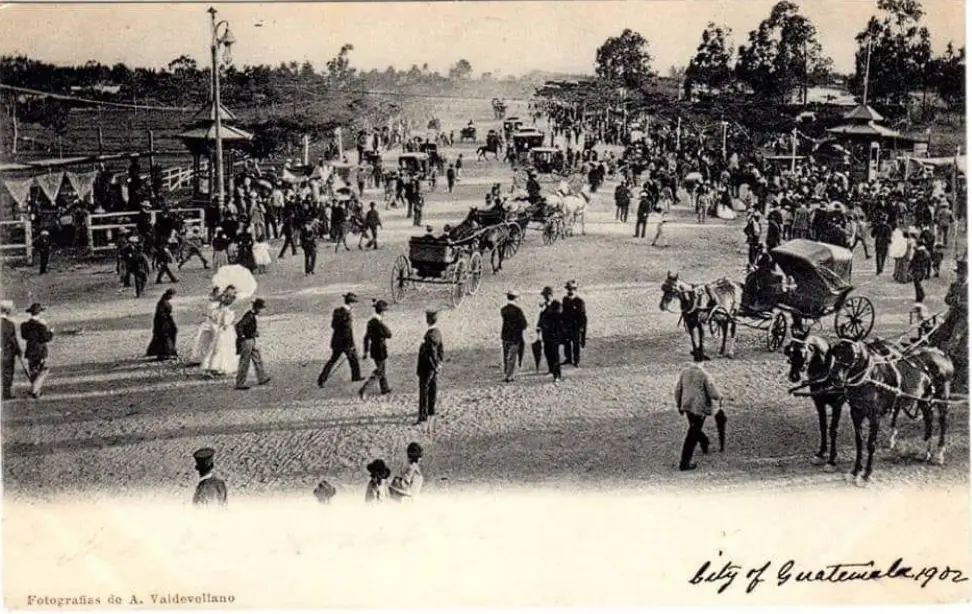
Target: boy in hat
{"type": "Point", "coordinates": [342, 341]}
{"type": "Point", "coordinates": [36, 335]}
{"type": "Point", "coordinates": [430, 356]}
{"type": "Point", "coordinates": [376, 334]}
{"type": "Point", "coordinates": [246, 336]}
{"type": "Point", "coordinates": [511, 335]}
{"type": "Point", "coordinates": [210, 490]}
{"type": "Point", "coordinates": [574, 323]}
{"type": "Point", "coordinates": [42, 244]}
{"type": "Point", "coordinates": [10, 348]}
{"type": "Point", "coordinates": [408, 485]}
{"type": "Point", "coordinates": [377, 490]}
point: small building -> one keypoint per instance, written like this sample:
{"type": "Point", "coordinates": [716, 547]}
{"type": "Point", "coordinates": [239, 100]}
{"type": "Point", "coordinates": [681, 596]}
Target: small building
{"type": "Point", "coordinates": [869, 143]}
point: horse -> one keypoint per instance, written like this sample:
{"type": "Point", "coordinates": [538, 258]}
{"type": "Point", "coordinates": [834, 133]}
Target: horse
{"type": "Point", "coordinates": [572, 206]}
{"type": "Point", "coordinates": [810, 355]}
{"type": "Point", "coordinates": [718, 300]}
{"type": "Point", "coordinates": [467, 133]}
{"type": "Point", "coordinates": [875, 385]}
{"type": "Point", "coordinates": [489, 148]}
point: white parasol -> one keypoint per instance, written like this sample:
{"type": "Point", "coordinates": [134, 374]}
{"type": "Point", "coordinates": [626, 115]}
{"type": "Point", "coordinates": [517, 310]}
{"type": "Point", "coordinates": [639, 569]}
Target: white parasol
{"type": "Point", "coordinates": [693, 177]}
{"type": "Point", "coordinates": [237, 276]}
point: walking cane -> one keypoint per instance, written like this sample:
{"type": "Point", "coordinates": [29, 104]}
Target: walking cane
{"type": "Point", "coordinates": [720, 420]}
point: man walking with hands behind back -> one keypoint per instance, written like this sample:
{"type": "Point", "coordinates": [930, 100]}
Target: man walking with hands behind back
{"type": "Point", "coordinates": [430, 357]}
{"type": "Point", "coordinates": [514, 323]}
{"type": "Point", "coordinates": [695, 394]}
{"type": "Point", "coordinates": [342, 341]}
{"type": "Point", "coordinates": [376, 335]}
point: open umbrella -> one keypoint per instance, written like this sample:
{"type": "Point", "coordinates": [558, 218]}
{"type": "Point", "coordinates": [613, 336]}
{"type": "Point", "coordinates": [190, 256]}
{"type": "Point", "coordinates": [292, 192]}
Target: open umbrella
{"type": "Point", "coordinates": [263, 183]}
{"type": "Point", "coordinates": [237, 276]}
{"type": "Point", "coordinates": [537, 347]}
{"type": "Point", "coordinates": [693, 177]}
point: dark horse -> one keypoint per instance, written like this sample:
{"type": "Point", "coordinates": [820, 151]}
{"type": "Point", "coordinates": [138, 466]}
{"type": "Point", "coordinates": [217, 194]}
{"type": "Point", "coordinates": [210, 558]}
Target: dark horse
{"type": "Point", "coordinates": [875, 385]}
{"type": "Point", "coordinates": [811, 355]}
{"type": "Point", "coordinates": [717, 301]}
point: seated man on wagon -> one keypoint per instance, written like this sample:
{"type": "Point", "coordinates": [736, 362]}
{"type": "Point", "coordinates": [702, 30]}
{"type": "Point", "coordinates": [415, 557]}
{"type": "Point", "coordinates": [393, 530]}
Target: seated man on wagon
{"type": "Point", "coordinates": [763, 286]}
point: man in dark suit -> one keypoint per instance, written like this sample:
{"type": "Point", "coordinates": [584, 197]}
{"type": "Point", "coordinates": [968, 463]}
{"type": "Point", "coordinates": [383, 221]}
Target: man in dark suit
{"type": "Point", "coordinates": [210, 490]}
{"type": "Point", "coordinates": [10, 348]}
{"type": "Point", "coordinates": [644, 209]}
{"type": "Point", "coordinates": [514, 323]}
{"type": "Point", "coordinates": [246, 336]}
{"type": "Point", "coordinates": [342, 341]}
{"type": "Point", "coordinates": [308, 243]}
{"type": "Point", "coordinates": [881, 231]}
{"type": "Point", "coordinates": [430, 357]}
{"type": "Point", "coordinates": [36, 336]}
{"type": "Point", "coordinates": [42, 245]}
{"type": "Point", "coordinates": [575, 324]}
{"type": "Point", "coordinates": [375, 338]}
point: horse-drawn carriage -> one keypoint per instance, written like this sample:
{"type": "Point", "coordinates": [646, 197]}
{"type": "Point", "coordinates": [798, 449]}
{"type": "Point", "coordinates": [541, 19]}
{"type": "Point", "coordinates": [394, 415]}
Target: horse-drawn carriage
{"type": "Point", "coordinates": [416, 164]}
{"type": "Point", "coordinates": [432, 151]}
{"type": "Point", "coordinates": [540, 216]}
{"type": "Point", "coordinates": [510, 126]}
{"type": "Point", "coordinates": [817, 285]}
{"type": "Point", "coordinates": [523, 141]}
{"type": "Point", "coordinates": [468, 133]}
{"type": "Point", "coordinates": [546, 160]}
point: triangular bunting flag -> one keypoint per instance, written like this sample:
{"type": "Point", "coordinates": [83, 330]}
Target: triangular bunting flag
{"type": "Point", "coordinates": [50, 184]}
{"type": "Point", "coordinates": [19, 190]}
{"type": "Point", "coordinates": [83, 183]}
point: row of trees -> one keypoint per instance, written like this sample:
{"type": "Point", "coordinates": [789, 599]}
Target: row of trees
{"type": "Point", "coordinates": [783, 55]}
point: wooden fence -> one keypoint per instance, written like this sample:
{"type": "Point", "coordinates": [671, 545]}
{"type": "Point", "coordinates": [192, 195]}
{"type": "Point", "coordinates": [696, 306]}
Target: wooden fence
{"type": "Point", "coordinates": [104, 229]}
{"type": "Point", "coordinates": [16, 240]}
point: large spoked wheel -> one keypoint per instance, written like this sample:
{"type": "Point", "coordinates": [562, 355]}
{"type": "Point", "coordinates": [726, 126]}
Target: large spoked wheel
{"type": "Point", "coordinates": [549, 232]}
{"type": "Point", "coordinates": [776, 333]}
{"type": "Point", "coordinates": [855, 318]}
{"type": "Point", "coordinates": [514, 240]}
{"type": "Point", "coordinates": [399, 278]}
{"type": "Point", "coordinates": [458, 288]}
{"type": "Point", "coordinates": [475, 273]}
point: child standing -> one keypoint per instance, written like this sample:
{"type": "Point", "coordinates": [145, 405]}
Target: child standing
{"type": "Point", "coordinates": [377, 490]}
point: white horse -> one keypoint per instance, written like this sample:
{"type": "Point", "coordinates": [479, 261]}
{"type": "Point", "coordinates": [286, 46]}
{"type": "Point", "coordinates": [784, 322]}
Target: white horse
{"type": "Point", "coordinates": [572, 206]}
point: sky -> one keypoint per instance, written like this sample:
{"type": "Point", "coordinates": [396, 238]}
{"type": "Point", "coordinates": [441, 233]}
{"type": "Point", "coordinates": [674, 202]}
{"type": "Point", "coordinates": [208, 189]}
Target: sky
{"type": "Point", "coordinates": [504, 37]}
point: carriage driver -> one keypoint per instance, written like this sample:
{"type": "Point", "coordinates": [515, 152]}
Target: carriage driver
{"type": "Point", "coordinates": [764, 285]}
{"type": "Point", "coordinates": [533, 187]}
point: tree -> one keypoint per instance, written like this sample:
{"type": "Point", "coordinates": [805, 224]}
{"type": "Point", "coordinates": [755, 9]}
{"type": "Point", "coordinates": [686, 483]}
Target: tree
{"type": "Point", "coordinates": [624, 61]}
{"type": "Point", "coordinates": [783, 53]}
{"type": "Point", "coordinates": [948, 77]}
{"type": "Point", "coordinates": [712, 65]}
{"type": "Point", "coordinates": [461, 71]}
{"type": "Point", "coordinates": [900, 53]}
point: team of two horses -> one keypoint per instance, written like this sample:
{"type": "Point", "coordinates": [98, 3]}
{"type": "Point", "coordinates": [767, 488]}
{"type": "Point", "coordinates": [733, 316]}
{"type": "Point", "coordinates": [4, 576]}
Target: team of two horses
{"type": "Point", "coordinates": [873, 378]}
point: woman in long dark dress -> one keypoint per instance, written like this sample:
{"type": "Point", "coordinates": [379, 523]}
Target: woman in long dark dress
{"type": "Point", "coordinates": [164, 330]}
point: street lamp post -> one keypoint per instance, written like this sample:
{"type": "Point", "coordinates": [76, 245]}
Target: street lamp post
{"type": "Point", "coordinates": [226, 40]}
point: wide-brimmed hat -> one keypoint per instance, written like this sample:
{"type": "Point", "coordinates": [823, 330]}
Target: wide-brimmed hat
{"type": "Point", "coordinates": [35, 309]}
{"type": "Point", "coordinates": [377, 468]}
{"type": "Point", "coordinates": [547, 291]}
{"type": "Point", "coordinates": [512, 294]}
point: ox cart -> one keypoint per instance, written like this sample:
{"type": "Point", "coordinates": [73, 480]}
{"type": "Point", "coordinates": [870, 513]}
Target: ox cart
{"type": "Point", "coordinates": [817, 285]}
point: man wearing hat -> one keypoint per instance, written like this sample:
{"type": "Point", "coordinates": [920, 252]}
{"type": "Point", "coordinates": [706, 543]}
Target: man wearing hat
{"type": "Point", "coordinates": [644, 210]}
{"type": "Point", "coordinates": [246, 336]}
{"type": "Point", "coordinates": [140, 268]}
{"type": "Point", "coordinates": [575, 324]}
{"type": "Point", "coordinates": [42, 245]}
{"type": "Point", "coordinates": [376, 335]}
{"type": "Point", "coordinates": [36, 335]}
{"type": "Point", "coordinates": [210, 490]}
{"type": "Point", "coordinates": [430, 356]}
{"type": "Point", "coordinates": [952, 337]}
{"type": "Point", "coordinates": [308, 243]}
{"type": "Point", "coordinates": [511, 335]}
{"type": "Point", "coordinates": [342, 341]}
{"type": "Point", "coordinates": [10, 348]}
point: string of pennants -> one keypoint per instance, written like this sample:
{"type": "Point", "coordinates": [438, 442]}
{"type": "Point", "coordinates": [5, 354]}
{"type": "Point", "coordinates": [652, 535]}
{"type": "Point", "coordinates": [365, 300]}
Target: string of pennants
{"type": "Point", "coordinates": [50, 184]}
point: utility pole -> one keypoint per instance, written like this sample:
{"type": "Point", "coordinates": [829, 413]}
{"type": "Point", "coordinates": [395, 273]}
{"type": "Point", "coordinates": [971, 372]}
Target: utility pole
{"type": "Point", "coordinates": [867, 70]}
{"type": "Point", "coordinates": [793, 156]}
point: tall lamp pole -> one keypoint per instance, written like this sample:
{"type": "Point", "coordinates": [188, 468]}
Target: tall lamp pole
{"type": "Point", "coordinates": [225, 40]}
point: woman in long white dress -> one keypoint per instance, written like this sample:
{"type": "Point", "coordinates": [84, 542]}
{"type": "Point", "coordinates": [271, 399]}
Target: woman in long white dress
{"type": "Point", "coordinates": [221, 358]}
{"type": "Point", "coordinates": [207, 329]}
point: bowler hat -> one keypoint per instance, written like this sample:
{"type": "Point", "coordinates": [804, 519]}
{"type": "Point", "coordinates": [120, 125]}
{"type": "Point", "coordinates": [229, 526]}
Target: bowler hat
{"type": "Point", "coordinates": [571, 285]}
{"type": "Point", "coordinates": [511, 294]}
{"type": "Point", "coordinates": [350, 297]}
{"type": "Point", "coordinates": [381, 305]}
{"type": "Point", "coordinates": [259, 303]}
{"type": "Point", "coordinates": [203, 455]}
{"type": "Point", "coordinates": [547, 291]}
{"type": "Point", "coordinates": [35, 309]}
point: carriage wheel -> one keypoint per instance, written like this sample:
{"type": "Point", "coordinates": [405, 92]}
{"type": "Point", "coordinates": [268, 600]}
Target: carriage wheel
{"type": "Point", "coordinates": [855, 318]}
{"type": "Point", "coordinates": [458, 289]}
{"type": "Point", "coordinates": [776, 333]}
{"type": "Point", "coordinates": [475, 273]}
{"type": "Point", "coordinates": [514, 240]}
{"type": "Point", "coordinates": [549, 232]}
{"type": "Point", "coordinates": [399, 278]}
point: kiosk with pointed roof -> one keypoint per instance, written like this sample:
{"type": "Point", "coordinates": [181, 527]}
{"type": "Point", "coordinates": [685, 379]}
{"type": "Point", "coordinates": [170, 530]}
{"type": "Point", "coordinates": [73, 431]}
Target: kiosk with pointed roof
{"type": "Point", "coordinates": [200, 139]}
